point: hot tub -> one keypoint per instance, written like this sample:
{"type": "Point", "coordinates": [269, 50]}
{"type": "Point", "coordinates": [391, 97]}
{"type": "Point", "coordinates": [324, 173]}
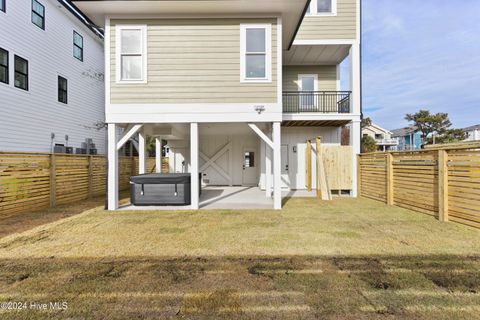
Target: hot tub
{"type": "Point", "coordinates": [161, 189]}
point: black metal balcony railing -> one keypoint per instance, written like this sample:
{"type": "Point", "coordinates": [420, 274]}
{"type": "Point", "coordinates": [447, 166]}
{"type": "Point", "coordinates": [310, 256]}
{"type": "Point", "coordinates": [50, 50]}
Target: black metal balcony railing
{"type": "Point", "coordinates": [316, 101]}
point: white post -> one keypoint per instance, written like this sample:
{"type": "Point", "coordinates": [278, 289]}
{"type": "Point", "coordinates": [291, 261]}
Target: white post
{"type": "Point", "coordinates": [355, 143]}
{"type": "Point", "coordinates": [268, 172]}
{"type": "Point", "coordinates": [194, 166]}
{"type": "Point", "coordinates": [277, 167]}
{"type": "Point", "coordinates": [263, 157]}
{"type": "Point", "coordinates": [158, 155]}
{"type": "Point", "coordinates": [141, 152]}
{"type": "Point", "coordinates": [112, 194]}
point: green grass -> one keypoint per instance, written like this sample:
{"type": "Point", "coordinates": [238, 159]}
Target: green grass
{"type": "Point", "coordinates": [344, 259]}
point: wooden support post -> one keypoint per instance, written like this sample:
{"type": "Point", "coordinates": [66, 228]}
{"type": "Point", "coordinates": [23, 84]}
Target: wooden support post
{"type": "Point", "coordinates": [389, 163]}
{"type": "Point", "coordinates": [308, 165]}
{"type": "Point", "coordinates": [53, 181]}
{"type": "Point", "coordinates": [323, 190]}
{"type": "Point", "coordinates": [90, 176]}
{"type": "Point", "coordinates": [317, 180]}
{"type": "Point", "coordinates": [359, 175]}
{"type": "Point", "coordinates": [442, 185]}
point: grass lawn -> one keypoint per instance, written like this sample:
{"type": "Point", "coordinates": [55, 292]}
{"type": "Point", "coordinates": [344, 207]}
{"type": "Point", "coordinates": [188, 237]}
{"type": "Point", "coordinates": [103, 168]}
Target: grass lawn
{"type": "Point", "coordinates": [344, 259]}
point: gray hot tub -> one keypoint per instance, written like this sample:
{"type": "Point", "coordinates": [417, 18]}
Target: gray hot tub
{"type": "Point", "coordinates": [161, 189]}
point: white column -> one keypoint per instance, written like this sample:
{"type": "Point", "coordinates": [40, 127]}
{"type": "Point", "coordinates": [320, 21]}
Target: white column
{"type": "Point", "coordinates": [158, 155]}
{"type": "Point", "coordinates": [194, 165]}
{"type": "Point", "coordinates": [277, 167]}
{"type": "Point", "coordinates": [355, 143]}
{"type": "Point", "coordinates": [268, 171]}
{"type": "Point", "coordinates": [112, 194]}
{"type": "Point", "coordinates": [355, 79]}
{"type": "Point", "coordinates": [263, 156]}
{"type": "Point", "coordinates": [141, 152]}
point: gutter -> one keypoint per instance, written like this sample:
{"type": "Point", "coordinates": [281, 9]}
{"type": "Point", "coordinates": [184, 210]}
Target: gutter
{"type": "Point", "coordinates": [67, 4]}
{"type": "Point", "coordinates": [299, 24]}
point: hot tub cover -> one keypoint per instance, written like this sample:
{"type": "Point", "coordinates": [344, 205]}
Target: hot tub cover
{"type": "Point", "coordinates": [161, 178]}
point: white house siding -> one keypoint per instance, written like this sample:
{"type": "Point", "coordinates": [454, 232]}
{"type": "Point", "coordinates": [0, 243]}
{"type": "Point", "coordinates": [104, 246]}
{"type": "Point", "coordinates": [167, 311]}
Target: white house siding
{"type": "Point", "coordinates": [29, 117]}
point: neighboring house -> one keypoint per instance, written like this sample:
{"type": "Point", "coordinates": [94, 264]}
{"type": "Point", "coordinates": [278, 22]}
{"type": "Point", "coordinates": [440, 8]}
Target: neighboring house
{"type": "Point", "coordinates": [236, 88]}
{"type": "Point", "coordinates": [409, 138]}
{"type": "Point", "coordinates": [51, 77]}
{"type": "Point", "coordinates": [473, 133]}
{"type": "Point", "coordinates": [382, 137]}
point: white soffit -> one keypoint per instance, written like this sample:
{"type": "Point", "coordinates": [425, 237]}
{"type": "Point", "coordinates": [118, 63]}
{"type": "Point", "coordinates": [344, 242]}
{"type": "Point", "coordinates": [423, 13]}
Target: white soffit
{"type": "Point", "coordinates": [315, 54]}
{"type": "Point", "coordinates": [290, 10]}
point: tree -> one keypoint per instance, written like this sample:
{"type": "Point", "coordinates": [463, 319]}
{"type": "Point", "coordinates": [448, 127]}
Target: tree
{"type": "Point", "coordinates": [368, 144]}
{"type": "Point", "coordinates": [449, 136]}
{"type": "Point", "coordinates": [430, 124]}
{"type": "Point", "coordinates": [366, 122]}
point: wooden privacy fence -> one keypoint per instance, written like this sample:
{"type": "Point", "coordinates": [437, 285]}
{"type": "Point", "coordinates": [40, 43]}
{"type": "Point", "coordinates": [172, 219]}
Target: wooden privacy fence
{"type": "Point", "coordinates": [30, 181]}
{"type": "Point", "coordinates": [442, 182]}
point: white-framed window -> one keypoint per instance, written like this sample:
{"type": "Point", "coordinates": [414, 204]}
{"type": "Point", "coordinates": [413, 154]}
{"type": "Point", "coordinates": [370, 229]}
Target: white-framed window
{"type": "Point", "coordinates": [255, 53]}
{"type": "Point", "coordinates": [131, 53]}
{"type": "Point", "coordinates": [322, 8]}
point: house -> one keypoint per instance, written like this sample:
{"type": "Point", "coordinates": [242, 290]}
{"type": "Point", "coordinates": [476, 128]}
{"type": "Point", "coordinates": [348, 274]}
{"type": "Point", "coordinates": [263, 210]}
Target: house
{"type": "Point", "coordinates": [473, 133]}
{"type": "Point", "coordinates": [409, 138]}
{"type": "Point", "coordinates": [51, 78]}
{"type": "Point", "coordinates": [382, 137]}
{"type": "Point", "coordinates": [236, 88]}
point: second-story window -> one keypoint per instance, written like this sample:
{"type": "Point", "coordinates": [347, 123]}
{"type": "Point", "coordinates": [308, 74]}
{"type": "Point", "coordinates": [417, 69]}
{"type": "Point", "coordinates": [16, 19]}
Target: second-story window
{"type": "Point", "coordinates": [3, 5]}
{"type": "Point", "coordinates": [62, 90]}
{"type": "Point", "coordinates": [38, 14]}
{"type": "Point", "coordinates": [3, 66]}
{"type": "Point", "coordinates": [256, 55]}
{"type": "Point", "coordinates": [21, 73]}
{"type": "Point", "coordinates": [77, 46]}
{"type": "Point", "coordinates": [131, 50]}
{"type": "Point", "coordinates": [322, 7]}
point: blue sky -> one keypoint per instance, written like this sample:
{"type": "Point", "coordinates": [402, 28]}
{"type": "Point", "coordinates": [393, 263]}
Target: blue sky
{"type": "Point", "coordinates": [421, 54]}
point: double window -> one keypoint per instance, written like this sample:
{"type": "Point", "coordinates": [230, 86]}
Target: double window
{"type": "Point", "coordinates": [256, 53]}
{"type": "Point", "coordinates": [3, 66]}
{"type": "Point", "coordinates": [77, 46]}
{"type": "Point", "coordinates": [38, 14]}
{"type": "Point", "coordinates": [322, 7]}
{"type": "Point", "coordinates": [131, 54]}
{"type": "Point", "coordinates": [62, 90]}
{"type": "Point", "coordinates": [21, 73]}
{"type": "Point", "coordinates": [3, 5]}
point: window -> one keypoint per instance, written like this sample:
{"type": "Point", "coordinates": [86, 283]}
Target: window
{"type": "Point", "coordinates": [62, 90]}
{"type": "Point", "coordinates": [3, 6]}
{"type": "Point", "coordinates": [77, 46]}
{"type": "Point", "coordinates": [131, 48]}
{"type": "Point", "coordinates": [249, 159]}
{"type": "Point", "coordinates": [322, 7]}
{"type": "Point", "coordinates": [256, 55]}
{"type": "Point", "coordinates": [3, 66]}
{"type": "Point", "coordinates": [21, 73]}
{"type": "Point", "coordinates": [38, 14]}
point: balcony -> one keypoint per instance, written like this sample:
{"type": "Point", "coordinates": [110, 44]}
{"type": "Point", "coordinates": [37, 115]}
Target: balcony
{"type": "Point", "coordinates": [316, 101]}
{"type": "Point", "coordinates": [386, 141]}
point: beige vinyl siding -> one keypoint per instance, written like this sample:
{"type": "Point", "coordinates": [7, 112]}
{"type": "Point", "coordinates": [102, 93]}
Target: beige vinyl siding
{"type": "Point", "coordinates": [327, 77]}
{"type": "Point", "coordinates": [193, 61]}
{"type": "Point", "coordinates": [341, 26]}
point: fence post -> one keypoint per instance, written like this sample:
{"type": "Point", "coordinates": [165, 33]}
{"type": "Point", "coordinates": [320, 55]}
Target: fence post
{"type": "Point", "coordinates": [389, 161]}
{"type": "Point", "coordinates": [308, 164]}
{"type": "Point", "coordinates": [442, 185]}
{"type": "Point", "coordinates": [90, 176]}
{"type": "Point", "coordinates": [359, 176]}
{"type": "Point", "coordinates": [53, 181]}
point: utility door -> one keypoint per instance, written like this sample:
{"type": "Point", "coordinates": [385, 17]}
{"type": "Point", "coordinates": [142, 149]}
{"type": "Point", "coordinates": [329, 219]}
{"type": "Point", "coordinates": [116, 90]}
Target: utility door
{"type": "Point", "coordinates": [285, 167]}
{"type": "Point", "coordinates": [249, 167]}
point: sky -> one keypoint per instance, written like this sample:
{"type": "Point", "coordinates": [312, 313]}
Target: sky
{"type": "Point", "coordinates": [421, 54]}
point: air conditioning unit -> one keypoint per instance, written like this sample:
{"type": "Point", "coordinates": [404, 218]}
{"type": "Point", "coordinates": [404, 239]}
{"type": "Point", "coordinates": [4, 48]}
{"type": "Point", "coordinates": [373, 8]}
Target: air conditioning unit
{"type": "Point", "coordinates": [80, 151]}
{"type": "Point", "coordinates": [59, 148]}
{"type": "Point", "coordinates": [69, 150]}
{"type": "Point", "coordinates": [93, 151]}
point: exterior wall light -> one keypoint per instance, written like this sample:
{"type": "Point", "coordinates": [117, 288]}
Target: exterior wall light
{"type": "Point", "coordinates": [259, 109]}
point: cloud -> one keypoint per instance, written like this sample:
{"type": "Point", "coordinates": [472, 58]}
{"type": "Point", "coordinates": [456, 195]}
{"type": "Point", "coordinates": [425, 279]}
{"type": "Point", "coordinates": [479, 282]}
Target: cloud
{"type": "Point", "coordinates": [421, 54]}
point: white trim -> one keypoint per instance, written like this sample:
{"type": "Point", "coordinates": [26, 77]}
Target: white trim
{"type": "Point", "coordinates": [118, 53]}
{"type": "Point", "coordinates": [158, 155]}
{"type": "Point", "coordinates": [107, 60]}
{"type": "Point", "coordinates": [129, 132]}
{"type": "Point", "coordinates": [313, 10]}
{"type": "Point", "coordinates": [338, 84]}
{"type": "Point", "coordinates": [277, 166]}
{"type": "Point", "coordinates": [315, 82]}
{"type": "Point", "coordinates": [141, 152]}
{"type": "Point", "coordinates": [268, 52]}
{"type": "Point", "coordinates": [112, 189]}
{"type": "Point", "coordinates": [279, 62]}
{"type": "Point", "coordinates": [315, 116]}
{"type": "Point", "coordinates": [325, 42]}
